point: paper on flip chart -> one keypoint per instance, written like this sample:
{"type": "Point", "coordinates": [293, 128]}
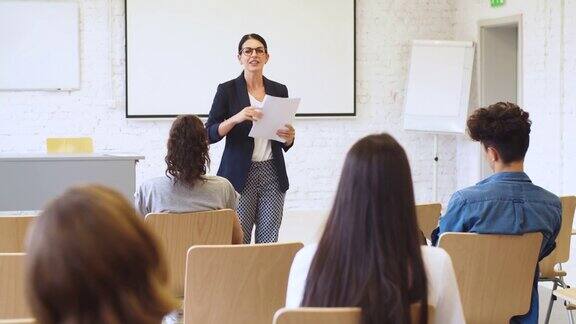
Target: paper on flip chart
{"type": "Point", "coordinates": [276, 112]}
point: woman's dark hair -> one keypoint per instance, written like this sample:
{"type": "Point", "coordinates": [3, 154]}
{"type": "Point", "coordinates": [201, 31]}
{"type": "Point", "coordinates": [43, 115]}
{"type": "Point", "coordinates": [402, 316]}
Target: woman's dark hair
{"type": "Point", "coordinates": [369, 255]}
{"type": "Point", "coordinates": [187, 158]}
{"type": "Point", "coordinates": [252, 36]}
{"type": "Point", "coordinates": [504, 127]}
{"type": "Point", "coordinates": [91, 259]}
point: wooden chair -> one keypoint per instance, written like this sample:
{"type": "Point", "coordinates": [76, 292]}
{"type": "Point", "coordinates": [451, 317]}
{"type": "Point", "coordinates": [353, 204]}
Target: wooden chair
{"type": "Point", "coordinates": [568, 294]}
{"type": "Point", "coordinates": [495, 273]}
{"type": "Point", "coordinates": [302, 226]}
{"type": "Point", "coordinates": [428, 216]}
{"type": "Point", "coordinates": [12, 287]}
{"type": "Point", "coordinates": [561, 254]}
{"type": "Point", "coordinates": [13, 233]}
{"type": "Point", "coordinates": [318, 315]}
{"type": "Point", "coordinates": [55, 145]}
{"type": "Point", "coordinates": [178, 232]}
{"type": "Point", "coordinates": [335, 315]}
{"type": "Point", "coordinates": [241, 284]}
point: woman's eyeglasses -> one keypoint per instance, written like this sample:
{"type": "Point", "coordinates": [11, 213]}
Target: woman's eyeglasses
{"type": "Point", "coordinates": [249, 50]}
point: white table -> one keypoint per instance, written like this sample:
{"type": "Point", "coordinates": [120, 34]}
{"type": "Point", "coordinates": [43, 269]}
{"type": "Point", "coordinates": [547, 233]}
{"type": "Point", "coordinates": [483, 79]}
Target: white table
{"type": "Point", "coordinates": [29, 181]}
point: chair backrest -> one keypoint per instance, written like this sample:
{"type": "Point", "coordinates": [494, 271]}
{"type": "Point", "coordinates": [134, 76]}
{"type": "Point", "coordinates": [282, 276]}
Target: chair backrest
{"type": "Point", "coordinates": [241, 284]}
{"type": "Point", "coordinates": [565, 234]}
{"type": "Point", "coordinates": [13, 303]}
{"type": "Point", "coordinates": [428, 216]}
{"type": "Point", "coordinates": [56, 145]}
{"type": "Point", "coordinates": [13, 233]}
{"type": "Point", "coordinates": [177, 232]}
{"type": "Point", "coordinates": [561, 253]}
{"type": "Point", "coordinates": [318, 315]}
{"type": "Point", "coordinates": [335, 315]}
{"type": "Point", "coordinates": [495, 273]}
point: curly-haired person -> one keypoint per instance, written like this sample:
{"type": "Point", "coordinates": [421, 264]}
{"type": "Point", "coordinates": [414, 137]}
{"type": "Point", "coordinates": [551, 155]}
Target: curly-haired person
{"type": "Point", "coordinates": [186, 186]}
{"type": "Point", "coordinates": [506, 202]}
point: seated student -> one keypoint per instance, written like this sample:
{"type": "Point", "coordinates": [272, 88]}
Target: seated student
{"type": "Point", "coordinates": [506, 202]}
{"type": "Point", "coordinates": [186, 187]}
{"type": "Point", "coordinates": [91, 259]}
{"type": "Point", "coordinates": [370, 255]}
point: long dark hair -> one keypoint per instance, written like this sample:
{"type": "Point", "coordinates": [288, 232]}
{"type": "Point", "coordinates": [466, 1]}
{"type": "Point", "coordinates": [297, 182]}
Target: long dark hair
{"type": "Point", "coordinates": [187, 158]}
{"type": "Point", "coordinates": [369, 255]}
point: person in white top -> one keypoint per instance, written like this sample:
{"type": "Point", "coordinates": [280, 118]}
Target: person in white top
{"type": "Point", "coordinates": [369, 255]}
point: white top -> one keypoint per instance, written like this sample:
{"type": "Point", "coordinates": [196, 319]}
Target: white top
{"type": "Point", "coordinates": [443, 292]}
{"type": "Point", "coordinates": [262, 147]}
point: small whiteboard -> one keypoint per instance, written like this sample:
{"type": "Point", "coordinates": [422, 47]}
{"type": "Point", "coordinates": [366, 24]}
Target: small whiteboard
{"type": "Point", "coordinates": [438, 88]}
{"type": "Point", "coordinates": [39, 45]}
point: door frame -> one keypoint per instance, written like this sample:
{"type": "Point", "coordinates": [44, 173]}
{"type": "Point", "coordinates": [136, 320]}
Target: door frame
{"type": "Point", "coordinates": [515, 20]}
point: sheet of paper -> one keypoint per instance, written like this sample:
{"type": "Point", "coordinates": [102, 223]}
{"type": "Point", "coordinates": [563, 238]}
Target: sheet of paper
{"type": "Point", "coordinates": [276, 112]}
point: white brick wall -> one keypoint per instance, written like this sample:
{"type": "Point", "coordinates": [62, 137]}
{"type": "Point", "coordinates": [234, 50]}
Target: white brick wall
{"type": "Point", "coordinates": [549, 66]}
{"type": "Point", "coordinates": [384, 29]}
{"type": "Point", "coordinates": [549, 93]}
{"type": "Point", "coordinates": [569, 94]}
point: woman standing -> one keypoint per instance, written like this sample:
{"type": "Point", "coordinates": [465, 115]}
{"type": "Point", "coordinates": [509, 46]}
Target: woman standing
{"type": "Point", "coordinates": [254, 166]}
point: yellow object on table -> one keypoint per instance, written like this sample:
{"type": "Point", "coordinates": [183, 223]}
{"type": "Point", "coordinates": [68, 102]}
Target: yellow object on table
{"type": "Point", "coordinates": [56, 145]}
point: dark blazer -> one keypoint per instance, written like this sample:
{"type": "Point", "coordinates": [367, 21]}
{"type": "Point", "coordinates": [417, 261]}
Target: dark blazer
{"type": "Point", "coordinates": [230, 98]}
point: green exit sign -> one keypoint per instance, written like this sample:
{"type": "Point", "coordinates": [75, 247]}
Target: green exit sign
{"type": "Point", "coordinates": [496, 3]}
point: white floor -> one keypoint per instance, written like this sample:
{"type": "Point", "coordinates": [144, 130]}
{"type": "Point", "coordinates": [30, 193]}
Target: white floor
{"type": "Point", "coordinates": [559, 314]}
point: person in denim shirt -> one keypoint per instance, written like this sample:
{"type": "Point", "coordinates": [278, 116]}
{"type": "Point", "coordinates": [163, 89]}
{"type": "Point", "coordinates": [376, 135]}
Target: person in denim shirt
{"type": "Point", "coordinates": [506, 202]}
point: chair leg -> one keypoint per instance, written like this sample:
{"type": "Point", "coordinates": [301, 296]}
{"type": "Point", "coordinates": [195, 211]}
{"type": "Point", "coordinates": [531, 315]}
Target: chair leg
{"type": "Point", "coordinates": [565, 286]}
{"type": "Point", "coordinates": [551, 303]}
